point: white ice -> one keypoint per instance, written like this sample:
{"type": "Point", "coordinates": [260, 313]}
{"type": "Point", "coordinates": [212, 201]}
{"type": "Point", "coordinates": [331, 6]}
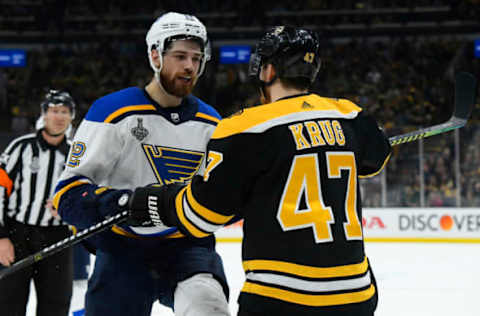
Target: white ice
{"type": "Point", "coordinates": [414, 279]}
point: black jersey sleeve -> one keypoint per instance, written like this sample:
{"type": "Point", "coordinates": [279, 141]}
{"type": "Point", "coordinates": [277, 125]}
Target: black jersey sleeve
{"type": "Point", "coordinates": [375, 147]}
{"type": "Point", "coordinates": [213, 200]}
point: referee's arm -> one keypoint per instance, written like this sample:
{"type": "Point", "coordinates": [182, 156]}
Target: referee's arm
{"type": "Point", "coordinates": [7, 252]}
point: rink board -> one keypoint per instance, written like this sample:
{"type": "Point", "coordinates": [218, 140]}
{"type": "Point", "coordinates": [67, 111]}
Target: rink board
{"type": "Point", "coordinates": [413, 255]}
{"type": "Point", "coordinates": [460, 225]}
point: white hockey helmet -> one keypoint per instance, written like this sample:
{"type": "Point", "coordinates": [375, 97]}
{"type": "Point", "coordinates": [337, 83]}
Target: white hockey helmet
{"type": "Point", "coordinates": [177, 26]}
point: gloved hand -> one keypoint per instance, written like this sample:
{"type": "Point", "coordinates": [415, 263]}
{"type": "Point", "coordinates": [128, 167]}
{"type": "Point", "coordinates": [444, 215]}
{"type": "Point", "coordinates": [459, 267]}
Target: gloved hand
{"type": "Point", "coordinates": [154, 205]}
{"type": "Point", "coordinates": [87, 204]}
{"type": "Point", "coordinates": [144, 207]}
{"type": "Point", "coordinates": [106, 200]}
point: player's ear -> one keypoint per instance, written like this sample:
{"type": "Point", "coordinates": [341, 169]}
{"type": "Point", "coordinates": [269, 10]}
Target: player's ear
{"type": "Point", "coordinates": [268, 72]}
{"type": "Point", "coordinates": [155, 57]}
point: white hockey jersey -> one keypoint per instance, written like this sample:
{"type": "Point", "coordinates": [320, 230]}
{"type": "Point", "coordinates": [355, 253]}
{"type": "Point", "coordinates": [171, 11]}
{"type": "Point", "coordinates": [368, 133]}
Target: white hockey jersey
{"type": "Point", "coordinates": [127, 140]}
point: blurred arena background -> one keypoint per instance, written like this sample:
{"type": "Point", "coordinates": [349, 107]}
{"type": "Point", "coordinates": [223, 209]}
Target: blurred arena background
{"type": "Point", "coordinates": [396, 59]}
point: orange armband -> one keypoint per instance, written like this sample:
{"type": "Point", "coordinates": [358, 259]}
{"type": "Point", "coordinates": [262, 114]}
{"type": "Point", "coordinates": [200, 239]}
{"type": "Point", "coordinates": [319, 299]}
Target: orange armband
{"type": "Point", "coordinates": [5, 181]}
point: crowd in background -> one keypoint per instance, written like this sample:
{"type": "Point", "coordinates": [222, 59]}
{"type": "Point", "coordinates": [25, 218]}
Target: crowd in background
{"type": "Point", "coordinates": [405, 82]}
{"type": "Point", "coordinates": [385, 77]}
{"type": "Point", "coordinates": [110, 15]}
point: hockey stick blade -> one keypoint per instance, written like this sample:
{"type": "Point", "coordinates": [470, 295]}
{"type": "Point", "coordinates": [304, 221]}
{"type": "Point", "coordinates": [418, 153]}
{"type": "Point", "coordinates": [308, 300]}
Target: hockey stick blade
{"type": "Point", "coordinates": [62, 244]}
{"type": "Point", "coordinates": [465, 95]}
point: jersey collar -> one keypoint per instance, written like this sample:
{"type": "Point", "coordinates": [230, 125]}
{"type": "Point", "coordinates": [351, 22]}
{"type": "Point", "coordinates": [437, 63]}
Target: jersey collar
{"type": "Point", "coordinates": [176, 115]}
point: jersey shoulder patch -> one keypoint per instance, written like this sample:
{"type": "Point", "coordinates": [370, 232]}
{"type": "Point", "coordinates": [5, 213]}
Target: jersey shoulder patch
{"type": "Point", "coordinates": [115, 106]}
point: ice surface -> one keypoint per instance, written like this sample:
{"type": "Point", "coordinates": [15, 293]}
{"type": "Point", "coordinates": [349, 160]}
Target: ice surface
{"type": "Point", "coordinates": [415, 279]}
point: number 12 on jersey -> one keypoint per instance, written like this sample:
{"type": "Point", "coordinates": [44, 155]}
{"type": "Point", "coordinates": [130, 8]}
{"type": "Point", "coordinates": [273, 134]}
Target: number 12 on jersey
{"type": "Point", "coordinates": [304, 179]}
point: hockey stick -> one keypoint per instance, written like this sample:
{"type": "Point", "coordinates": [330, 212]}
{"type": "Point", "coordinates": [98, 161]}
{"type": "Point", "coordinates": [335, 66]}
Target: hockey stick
{"type": "Point", "coordinates": [465, 94]}
{"type": "Point", "coordinates": [465, 90]}
{"type": "Point", "coordinates": [65, 243]}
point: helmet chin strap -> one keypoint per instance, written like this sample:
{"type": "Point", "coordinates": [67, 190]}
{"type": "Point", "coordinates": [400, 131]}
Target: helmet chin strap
{"type": "Point", "coordinates": [263, 89]}
{"type": "Point", "coordinates": [157, 78]}
{"type": "Point", "coordinates": [157, 70]}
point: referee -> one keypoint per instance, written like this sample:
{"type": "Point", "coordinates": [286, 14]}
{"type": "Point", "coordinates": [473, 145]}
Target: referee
{"type": "Point", "coordinates": [29, 169]}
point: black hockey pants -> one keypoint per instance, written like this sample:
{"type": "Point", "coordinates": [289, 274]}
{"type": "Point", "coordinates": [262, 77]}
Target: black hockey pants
{"type": "Point", "coordinates": [52, 276]}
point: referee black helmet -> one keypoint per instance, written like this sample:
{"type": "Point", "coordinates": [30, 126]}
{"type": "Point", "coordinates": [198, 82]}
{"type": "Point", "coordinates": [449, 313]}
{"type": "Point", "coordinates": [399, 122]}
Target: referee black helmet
{"type": "Point", "coordinates": [58, 98]}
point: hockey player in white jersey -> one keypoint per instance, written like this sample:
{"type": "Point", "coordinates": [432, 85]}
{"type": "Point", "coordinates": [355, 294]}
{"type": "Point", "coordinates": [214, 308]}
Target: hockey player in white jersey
{"type": "Point", "coordinates": [137, 137]}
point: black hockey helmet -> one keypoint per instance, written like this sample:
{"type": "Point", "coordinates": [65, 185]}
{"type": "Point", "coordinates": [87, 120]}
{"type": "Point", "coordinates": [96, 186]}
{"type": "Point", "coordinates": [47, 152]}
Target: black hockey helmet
{"type": "Point", "coordinates": [58, 98]}
{"type": "Point", "coordinates": [293, 51]}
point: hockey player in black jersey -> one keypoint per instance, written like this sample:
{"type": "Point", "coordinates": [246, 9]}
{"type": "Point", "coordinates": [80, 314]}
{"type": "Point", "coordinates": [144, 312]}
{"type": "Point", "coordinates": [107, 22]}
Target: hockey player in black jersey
{"type": "Point", "coordinates": [290, 168]}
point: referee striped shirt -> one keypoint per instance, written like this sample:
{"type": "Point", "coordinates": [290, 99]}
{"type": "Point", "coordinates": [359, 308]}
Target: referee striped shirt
{"type": "Point", "coordinates": [33, 165]}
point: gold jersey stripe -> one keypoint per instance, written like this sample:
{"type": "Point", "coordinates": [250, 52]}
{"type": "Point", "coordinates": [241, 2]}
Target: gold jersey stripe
{"type": "Point", "coordinates": [307, 271]}
{"type": "Point", "coordinates": [118, 230]}
{"type": "Point", "coordinates": [316, 300]}
{"type": "Point", "coordinates": [58, 195]}
{"type": "Point", "coordinates": [181, 216]}
{"type": "Point", "coordinates": [378, 171]}
{"type": "Point", "coordinates": [131, 108]}
{"type": "Point", "coordinates": [205, 212]}
{"type": "Point", "coordinates": [256, 115]}
{"type": "Point", "coordinates": [207, 117]}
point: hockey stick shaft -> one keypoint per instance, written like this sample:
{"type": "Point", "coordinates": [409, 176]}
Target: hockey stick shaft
{"type": "Point", "coordinates": [465, 95]}
{"type": "Point", "coordinates": [65, 243]}
{"type": "Point", "coordinates": [427, 132]}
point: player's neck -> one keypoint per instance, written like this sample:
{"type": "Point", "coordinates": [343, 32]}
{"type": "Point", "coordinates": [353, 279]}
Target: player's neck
{"type": "Point", "coordinates": [163, 98]}
{"type": "Point", "coordinates": [278, 91]}
{"type": "Point", "coordinates": [51, 139]}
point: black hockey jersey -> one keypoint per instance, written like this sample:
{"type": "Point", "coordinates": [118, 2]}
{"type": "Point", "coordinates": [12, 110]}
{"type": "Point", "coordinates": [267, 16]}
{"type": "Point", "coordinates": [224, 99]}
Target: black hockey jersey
{"type": "Point", "coordinates": [290, 169]}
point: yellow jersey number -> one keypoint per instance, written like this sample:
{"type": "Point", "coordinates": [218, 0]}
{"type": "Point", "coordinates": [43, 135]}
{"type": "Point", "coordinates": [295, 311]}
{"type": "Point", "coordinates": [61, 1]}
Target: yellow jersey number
{"type": "Point", "coordinates": [304, 178]}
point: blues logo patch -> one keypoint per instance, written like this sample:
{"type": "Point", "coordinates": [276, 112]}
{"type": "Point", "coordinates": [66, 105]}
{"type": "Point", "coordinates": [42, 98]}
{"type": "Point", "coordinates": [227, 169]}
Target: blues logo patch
{"type": "Point", "coordinates": [172, 165]}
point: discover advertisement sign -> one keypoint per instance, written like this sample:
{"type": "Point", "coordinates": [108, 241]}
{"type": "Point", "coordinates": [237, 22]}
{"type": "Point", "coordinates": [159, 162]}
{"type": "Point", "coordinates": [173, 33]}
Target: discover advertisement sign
{"type": "Point", "coordinates": [404, 225]}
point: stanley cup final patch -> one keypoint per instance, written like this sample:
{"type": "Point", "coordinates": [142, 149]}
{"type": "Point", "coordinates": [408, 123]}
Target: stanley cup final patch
{"type": "Point", "coordinates": [139, 132]}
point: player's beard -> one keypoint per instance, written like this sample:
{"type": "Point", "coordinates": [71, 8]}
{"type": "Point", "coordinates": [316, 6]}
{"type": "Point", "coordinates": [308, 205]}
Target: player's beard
{"type": "Point", "coordinates": [174, 87]}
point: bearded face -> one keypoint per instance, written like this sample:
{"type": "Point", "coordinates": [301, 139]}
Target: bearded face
{"type": "Point", "coordinates": [181, 63]}
{"type": "Point", "coordinates": [178, 84]}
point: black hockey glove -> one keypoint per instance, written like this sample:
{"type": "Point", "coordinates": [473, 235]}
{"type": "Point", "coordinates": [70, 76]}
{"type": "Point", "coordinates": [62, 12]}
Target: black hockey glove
{"type": "Point", "coordinates": [154, 204]}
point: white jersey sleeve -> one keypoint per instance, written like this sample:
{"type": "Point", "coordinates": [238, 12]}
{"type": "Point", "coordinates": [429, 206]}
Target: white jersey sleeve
{"type": "Point", "coordinates": [126, 140]}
